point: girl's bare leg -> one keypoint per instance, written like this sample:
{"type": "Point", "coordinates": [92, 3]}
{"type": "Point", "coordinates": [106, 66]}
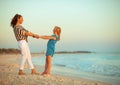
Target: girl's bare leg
{"type": "Point", "coordinates": [45, 70]}
{"type": "Point", "coordinates": [49, 64]}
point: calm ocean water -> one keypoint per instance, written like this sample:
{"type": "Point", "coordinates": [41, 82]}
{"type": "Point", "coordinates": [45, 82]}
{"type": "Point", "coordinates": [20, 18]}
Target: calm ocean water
{"type": "Point", "coordinates": [97, 66]}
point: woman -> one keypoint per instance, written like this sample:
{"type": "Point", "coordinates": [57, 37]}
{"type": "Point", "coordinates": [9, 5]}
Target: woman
{"type": "Point", "coordinates": [21, 35]}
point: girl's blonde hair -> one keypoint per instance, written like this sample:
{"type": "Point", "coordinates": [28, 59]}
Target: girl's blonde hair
{"type": "Point", "coordinates": [58, 30]}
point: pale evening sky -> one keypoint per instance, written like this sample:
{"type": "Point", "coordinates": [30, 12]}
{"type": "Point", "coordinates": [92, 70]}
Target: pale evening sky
{"type": "Point", "coordinates": [92, 25]}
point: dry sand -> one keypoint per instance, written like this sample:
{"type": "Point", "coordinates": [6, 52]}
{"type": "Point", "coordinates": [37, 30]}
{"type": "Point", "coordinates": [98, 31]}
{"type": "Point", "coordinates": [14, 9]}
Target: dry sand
{"type": "Point", "coordinates": [9, 66]}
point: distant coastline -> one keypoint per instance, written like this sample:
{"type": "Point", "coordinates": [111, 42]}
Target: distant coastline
{"type": "Point", "coordinates": [17, 51]}
{"type": "Point", "coordinates": [68, 52]}
{"type": "Point", "coordinates": [9, 51]}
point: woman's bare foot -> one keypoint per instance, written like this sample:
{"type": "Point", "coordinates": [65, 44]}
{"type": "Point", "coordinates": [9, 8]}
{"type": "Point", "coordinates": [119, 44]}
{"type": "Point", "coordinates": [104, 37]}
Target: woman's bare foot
{"type": "Point", "coordinates": [21, 72]}
{"type": "Point", "coordinates": [33, 71]}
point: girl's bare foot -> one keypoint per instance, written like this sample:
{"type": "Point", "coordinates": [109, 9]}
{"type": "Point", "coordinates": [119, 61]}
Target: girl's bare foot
{"type": "Point", "coordinates": [46, 75]}
{"type": "Point", "coordinates": [43, 73]}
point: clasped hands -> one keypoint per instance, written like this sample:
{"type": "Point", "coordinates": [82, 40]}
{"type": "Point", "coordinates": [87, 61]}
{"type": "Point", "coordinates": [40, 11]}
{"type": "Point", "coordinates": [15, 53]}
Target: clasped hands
{"type": "Point", "coordinates": [36, 36]}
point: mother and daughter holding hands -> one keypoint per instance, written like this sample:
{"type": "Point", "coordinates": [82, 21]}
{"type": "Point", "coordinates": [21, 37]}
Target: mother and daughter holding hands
{"type": "Point", "coordinates": [22, 34]}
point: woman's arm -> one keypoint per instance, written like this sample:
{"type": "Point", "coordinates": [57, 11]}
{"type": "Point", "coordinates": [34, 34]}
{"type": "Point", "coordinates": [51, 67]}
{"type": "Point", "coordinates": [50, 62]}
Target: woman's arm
{"type": "Point", "coordinates": [47, 37]}
{"type": "Point", "coordinates": [31, 34]}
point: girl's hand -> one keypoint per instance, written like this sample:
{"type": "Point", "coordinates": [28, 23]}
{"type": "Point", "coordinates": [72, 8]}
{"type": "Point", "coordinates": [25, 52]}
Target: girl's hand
{"type": "Point", "coordinates": [40, 37]}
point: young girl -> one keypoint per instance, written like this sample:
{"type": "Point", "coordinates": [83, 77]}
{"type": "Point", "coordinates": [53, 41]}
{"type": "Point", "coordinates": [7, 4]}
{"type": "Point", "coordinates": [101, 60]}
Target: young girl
{"type": "Point", "coordinates": [51, 49]}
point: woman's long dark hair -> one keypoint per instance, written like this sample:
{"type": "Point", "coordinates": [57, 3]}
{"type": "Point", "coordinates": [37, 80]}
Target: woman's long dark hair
{"type": "Point", "coordinates": [14, 20]}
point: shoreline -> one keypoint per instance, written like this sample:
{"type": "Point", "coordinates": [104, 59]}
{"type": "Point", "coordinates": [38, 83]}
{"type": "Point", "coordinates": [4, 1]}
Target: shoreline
{"type": "Point", "coordinates": [9, 66]}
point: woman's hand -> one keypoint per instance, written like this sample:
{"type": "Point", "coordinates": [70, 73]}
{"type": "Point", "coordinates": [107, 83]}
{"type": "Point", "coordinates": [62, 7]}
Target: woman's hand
{"type": "Point", "coordinates": [32, 34]}
{"type": "Point", "coordinates": [36, 36]}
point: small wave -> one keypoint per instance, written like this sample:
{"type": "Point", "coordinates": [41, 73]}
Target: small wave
{"type": "Point", "coordinates": [61, 65]}
{"type": "Point", "coordinates": [107, 70]}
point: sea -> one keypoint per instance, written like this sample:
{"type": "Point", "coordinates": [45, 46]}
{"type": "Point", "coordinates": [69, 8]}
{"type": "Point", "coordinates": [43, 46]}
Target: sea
{"type": "Point", "coordinates": [104, 67]}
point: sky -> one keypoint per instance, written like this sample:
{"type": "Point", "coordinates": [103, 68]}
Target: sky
{"type": "Point", "coordinates": [87, 25]}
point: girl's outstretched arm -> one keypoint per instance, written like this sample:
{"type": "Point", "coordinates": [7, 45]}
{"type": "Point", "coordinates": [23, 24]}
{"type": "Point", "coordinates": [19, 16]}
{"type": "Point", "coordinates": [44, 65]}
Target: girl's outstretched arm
{"type": "Point", "coordinates": [47, 37]}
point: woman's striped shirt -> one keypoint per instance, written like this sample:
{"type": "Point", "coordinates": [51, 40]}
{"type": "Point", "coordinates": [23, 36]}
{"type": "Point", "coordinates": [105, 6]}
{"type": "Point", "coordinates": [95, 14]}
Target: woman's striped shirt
{"type": "Point", "coordinates": [19, 32]}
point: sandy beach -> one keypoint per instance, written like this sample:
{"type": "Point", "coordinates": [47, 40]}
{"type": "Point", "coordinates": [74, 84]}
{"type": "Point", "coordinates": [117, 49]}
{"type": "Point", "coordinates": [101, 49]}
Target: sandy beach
{"type": "Point", "coordinates": [9, 66]}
